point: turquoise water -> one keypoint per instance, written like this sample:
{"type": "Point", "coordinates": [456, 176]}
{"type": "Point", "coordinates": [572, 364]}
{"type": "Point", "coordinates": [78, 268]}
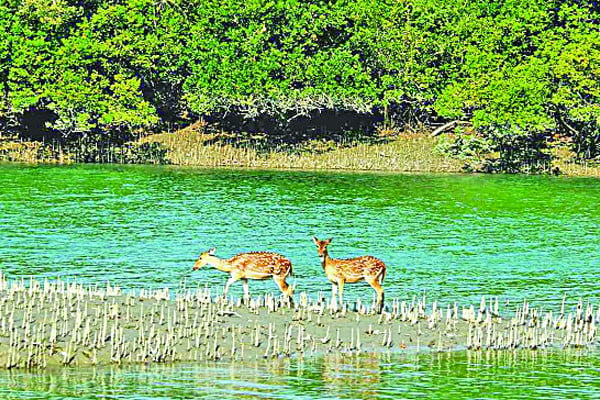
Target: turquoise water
{"type": "Point", "coordinates": [456, 237]}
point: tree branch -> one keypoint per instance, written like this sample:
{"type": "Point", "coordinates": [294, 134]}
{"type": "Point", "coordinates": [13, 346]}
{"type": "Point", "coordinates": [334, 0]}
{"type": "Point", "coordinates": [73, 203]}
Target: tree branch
{"type": "Point", "coordinates": [449, 125]}
{"type": "Point", "coordinates": [564, 123]}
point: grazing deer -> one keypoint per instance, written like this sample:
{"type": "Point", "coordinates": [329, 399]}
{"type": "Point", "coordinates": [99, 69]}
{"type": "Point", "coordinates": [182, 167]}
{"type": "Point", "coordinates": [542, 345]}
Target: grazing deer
{"type": "Point", "coordinates": [254, 265]}
{"type": "Point", "coordinates": [350, 270]}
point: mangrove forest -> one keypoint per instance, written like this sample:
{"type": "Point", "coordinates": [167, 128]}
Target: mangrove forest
{"type": "Point", "coordinates": [507, 85]}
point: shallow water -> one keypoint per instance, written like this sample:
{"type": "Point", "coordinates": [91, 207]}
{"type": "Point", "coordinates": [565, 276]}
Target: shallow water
{"type": "Point", "coordinates": [457, 237]}
{"type": "Point", "coordinates": [487, 375]}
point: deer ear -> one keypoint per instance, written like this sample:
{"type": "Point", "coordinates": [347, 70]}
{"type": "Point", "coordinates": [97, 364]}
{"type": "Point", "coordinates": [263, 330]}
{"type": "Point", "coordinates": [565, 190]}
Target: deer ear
{"type": "Point", "coordinates": [328, 240]}
{"type": "Point", "coordinates": [315, 240]}
{"type": "Point", "coordinates": [211, 252]}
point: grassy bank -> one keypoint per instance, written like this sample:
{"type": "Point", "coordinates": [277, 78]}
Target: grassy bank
{"type": "Point", "coordinates": [414, 152]}
{"type": "Point", "coordinates": [194, 146]}
{"type": "Point", "coordinates": [18, 150]}
{"type": "Point", "coordinates": [64, 323]}
{"type": "Point", "coordinates": [570, 168]}
{"type": "Point", "coordinates": [15, 149]}
{"type": "Point", "coordinates": [388, 151]}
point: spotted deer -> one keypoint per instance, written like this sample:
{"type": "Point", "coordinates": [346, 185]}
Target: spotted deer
{"type": "Point", "coordinates": [254, 265]}
{"type": "Point", "coordinates": [351, 270]}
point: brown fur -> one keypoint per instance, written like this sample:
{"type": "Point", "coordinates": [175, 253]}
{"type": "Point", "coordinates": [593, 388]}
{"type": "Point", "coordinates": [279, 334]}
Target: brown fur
{"type": "Point", "coordinates": [253, 265]}
{"type": "Point", "coordinates": [351, 270]}
{"type": "Point", "coordinates": [261, 262]}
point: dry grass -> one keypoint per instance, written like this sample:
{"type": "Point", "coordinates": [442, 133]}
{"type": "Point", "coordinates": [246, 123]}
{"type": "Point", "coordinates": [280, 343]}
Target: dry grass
{"type": "Point", "coordinates": [577, 169]}
{"type": "Point", "coordinates": [18, 150]}
{"type": "Point", "coordinates": [193, 146]}
{"type": "Point", "coordinates": [415, 152]}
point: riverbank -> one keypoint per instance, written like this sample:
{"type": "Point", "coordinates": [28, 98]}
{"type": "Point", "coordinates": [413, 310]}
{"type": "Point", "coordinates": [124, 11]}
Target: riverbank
{"type": "Point", "coordinates": [61, 323]}
{"type": "Point", "coordinates": [415, 152]}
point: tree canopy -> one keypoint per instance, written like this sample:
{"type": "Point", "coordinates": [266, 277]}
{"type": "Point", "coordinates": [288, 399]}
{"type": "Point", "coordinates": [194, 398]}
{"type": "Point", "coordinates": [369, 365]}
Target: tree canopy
{"type": "Point", "coordinates": [509, 68]}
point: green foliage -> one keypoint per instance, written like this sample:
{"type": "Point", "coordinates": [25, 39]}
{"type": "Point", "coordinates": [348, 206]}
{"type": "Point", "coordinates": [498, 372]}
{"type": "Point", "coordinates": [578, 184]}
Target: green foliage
{"type": "Point", "coordinates": [517, 71]}
{"type": "Point", "coordinates": [497, 151]}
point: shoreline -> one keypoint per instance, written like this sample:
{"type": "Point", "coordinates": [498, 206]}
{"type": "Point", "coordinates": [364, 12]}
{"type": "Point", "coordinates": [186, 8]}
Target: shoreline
{"type": "Point", "coordinates": [595, 174]}
{"type": "Point", "coordinates": [297, 169]}
{"type": "Point", "coordinates": [192, 146]}
{"type": "Point", "coordinates": [53, 324]}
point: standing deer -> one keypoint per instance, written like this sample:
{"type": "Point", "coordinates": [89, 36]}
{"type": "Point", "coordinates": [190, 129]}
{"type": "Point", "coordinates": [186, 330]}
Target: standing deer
{"type": "Point", "coordinates": [254, 265]}
{"type": "Point", "coordinates": [340, 271]}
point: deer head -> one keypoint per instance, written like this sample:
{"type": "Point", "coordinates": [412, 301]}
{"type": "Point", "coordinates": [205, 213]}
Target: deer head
{"type": "Point", "coordinates": [322, 247]}
{"type": "Point", "coordinates": [205, 258]}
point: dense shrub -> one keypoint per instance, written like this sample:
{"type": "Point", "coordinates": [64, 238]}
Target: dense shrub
{"type": "Point", "coordinates": [516, 71]}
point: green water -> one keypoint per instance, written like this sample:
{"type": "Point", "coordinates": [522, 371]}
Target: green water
{"type": "Point", "coordinates": [456, 237]}
{"type": "Point", "coordinates": [492, 375]}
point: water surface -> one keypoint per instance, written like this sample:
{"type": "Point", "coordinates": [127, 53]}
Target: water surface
{"type": "Point", "coordinates": [460, 375]}
{"type": "Point", "coordinates": [456, 237]}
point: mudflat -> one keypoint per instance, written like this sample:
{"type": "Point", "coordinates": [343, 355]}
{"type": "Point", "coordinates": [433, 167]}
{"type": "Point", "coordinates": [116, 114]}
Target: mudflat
{"type": "Point", "coordinates": [66, 323]}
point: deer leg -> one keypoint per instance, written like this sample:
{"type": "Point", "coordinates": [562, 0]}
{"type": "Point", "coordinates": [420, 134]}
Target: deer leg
{"type": "Point", "coordinates": [380, 301]}
{"type": "Point", "coordinates": [246, 290]}
{"type": "Point", "coordinates": [334, 288]}
{"type": "Point", "coordinates": [341, 289]}
{"type": "Point", "coordinates": [285, 288]}
{"type": "Point", "coordinates": [229, 282]}
{"type": "Point", "coordinates": [379, 290]}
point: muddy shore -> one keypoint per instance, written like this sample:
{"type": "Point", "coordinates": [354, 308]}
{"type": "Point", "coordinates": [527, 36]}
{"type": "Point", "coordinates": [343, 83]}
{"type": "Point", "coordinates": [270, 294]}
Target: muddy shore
{"type": "Point", "coordinates": [57, 323]}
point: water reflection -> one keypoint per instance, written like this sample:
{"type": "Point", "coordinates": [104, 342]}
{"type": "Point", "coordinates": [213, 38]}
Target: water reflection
{"type": "Point", "coordinates": [518, 374]}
